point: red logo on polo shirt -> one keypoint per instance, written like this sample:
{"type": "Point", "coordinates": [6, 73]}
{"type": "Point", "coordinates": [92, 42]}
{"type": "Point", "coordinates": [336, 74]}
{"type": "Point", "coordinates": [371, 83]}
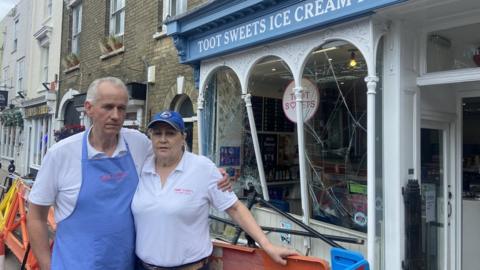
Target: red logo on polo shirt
{"type": "Point", "coordinates": [118, 177]}
{"type": "Point", "coordinates": [183, 191]}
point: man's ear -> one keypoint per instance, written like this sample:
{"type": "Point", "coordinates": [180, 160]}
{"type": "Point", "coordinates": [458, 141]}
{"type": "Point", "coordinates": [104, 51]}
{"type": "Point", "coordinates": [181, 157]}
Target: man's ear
{"type": "Point", "coordinates": [88, 107]}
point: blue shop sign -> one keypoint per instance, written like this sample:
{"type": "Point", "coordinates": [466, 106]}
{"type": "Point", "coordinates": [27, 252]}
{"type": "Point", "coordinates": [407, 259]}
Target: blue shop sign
{"type": "Point", "coordinates": [295, 18]}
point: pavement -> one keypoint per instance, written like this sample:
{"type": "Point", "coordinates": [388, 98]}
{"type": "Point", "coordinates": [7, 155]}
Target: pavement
{"type": "Point", "coordinates": [11, 262]}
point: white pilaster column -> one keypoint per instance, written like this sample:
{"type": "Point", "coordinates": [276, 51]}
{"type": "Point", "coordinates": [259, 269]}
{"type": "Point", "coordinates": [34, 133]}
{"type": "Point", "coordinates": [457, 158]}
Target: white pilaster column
{"type": "Point", "coordinates": [140, 117]}
{"type": "Point", "coordinates": [371, 93]}
{"type": "Point", "coordinates": [256, 146]}
{"type": "Point", "coordinates": [200, 103]}
{"type": "Point", "coordinates": [301, 154]}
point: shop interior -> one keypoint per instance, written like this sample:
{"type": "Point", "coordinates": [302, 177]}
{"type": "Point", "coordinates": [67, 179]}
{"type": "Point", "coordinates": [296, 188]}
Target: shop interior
{"type": "Point", "coordinates": [335, 132]}
{"type": "Point", "coordinates": [471, 182]}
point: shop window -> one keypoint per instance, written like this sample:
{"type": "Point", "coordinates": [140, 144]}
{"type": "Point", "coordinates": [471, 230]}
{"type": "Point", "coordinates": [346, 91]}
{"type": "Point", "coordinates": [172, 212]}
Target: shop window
{"type": "Point", "coordinates": [336, 135]}
{"type": "Point", "coordinates": [223, 130]}
{"type": "Point", "coordinates": [454, 48]}
{"type": "Point", "coordinates": [9, 141]}
{"type": "Point", "coordinates": [276, 134]}
{"type": "Point", "coordinates": [40, 140]}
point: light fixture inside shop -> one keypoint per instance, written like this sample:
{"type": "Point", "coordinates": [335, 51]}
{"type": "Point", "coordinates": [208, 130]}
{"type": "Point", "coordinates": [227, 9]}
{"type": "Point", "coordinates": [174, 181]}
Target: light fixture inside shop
{"type": "Point", "coordinates": [353, 62]}
{"type": "Point", "coordinates": [325, 50]}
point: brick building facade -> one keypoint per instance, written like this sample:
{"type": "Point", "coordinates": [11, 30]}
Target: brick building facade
{"type": "Point", "coordinates": [145, 50]}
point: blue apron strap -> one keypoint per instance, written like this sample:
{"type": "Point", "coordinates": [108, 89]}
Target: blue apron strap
{"type": "Point", "coordinates": [84, 144]}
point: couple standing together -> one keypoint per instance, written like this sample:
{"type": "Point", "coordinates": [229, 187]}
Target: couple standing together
{"type": "Point", "coordinates": [119, 196]}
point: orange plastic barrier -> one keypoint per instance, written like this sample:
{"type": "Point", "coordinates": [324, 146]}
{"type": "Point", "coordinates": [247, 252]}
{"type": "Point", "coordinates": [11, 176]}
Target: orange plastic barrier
{"type": "Point", "coordinates": [231, 257]}
{"type": "Point", "coordinates": [15, 235]}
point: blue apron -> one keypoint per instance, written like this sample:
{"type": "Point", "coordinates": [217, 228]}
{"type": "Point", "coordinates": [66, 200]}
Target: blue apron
{"type": "Point", "coordinates": [100, 232]}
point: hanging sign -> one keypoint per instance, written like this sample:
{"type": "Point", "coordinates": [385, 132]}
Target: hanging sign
{"type": "Point", "coordinates": [310, 100]}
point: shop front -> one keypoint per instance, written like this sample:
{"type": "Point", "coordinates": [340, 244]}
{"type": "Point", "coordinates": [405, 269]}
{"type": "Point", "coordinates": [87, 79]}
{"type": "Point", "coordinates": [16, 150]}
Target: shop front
{"type": "Point", "coordinates": [38, 117]}
{"type": "Point", "coordinates": [328, 108]}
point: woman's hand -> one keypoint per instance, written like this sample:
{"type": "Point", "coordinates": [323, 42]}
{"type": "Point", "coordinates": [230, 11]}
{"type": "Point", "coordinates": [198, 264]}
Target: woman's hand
{"type": "Point", "coordinates": [278, 253]}
{"type": "Point", "coordinates": [224, 184]}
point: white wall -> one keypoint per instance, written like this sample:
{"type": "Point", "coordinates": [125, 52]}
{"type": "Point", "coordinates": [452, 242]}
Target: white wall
{"type": "Point", "coordinates": [399, 133]}
{"type": "Point", "coordinates": [40, 20]}
{"type": "Point", "coordinates": [438, 98]}
{"type": "Point", "coordinates": [23, 12]}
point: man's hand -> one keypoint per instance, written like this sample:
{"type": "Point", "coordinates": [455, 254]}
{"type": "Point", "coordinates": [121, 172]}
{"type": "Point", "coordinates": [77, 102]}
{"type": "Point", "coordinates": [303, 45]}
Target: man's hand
{"type": "Point", "coordinates": [224, 184]}
{"type": "Point", "coordinates": [278, 253]}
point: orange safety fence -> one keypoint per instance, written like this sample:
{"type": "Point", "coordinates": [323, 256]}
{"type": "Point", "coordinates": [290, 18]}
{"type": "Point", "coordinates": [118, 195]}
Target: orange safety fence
{"type": "Point", "coordinates": [227, 256]}
{"type": "Point", "coordinates": [14, 230]}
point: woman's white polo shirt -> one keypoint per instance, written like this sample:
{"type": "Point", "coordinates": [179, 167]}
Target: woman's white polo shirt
{"type": "Point", "coordinates": [172, 222]}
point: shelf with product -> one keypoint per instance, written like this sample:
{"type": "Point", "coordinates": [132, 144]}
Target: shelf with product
{"type": "Point", "coordinates": [471, 176]}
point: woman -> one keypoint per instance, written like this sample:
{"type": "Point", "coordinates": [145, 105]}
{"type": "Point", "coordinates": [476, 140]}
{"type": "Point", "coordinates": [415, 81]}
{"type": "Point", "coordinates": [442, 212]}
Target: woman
{"type": "Point", "coordinates": [172, 201]}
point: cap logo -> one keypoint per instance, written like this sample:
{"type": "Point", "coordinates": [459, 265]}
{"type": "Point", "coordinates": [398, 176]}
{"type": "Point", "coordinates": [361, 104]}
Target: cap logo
{"type": "Point", "coordinates": [166, 115]}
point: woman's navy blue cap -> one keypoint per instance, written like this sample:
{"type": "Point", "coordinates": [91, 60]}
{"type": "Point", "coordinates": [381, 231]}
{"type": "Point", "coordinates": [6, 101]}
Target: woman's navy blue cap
{"type": "Point", "coordinates": [172, 118]}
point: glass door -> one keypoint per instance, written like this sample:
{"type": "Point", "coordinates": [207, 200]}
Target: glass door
{"type": "Point", "coordinates": [436, 205]}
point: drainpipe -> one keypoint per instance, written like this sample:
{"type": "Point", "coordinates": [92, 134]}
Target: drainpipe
{"type": "Point", "coordinates": [145, 63]}
{"type": "Point", "coordinates": [301, 160]}
{"type": "Point", "coordinates": [256, 146]}
{"type": "Point", "coordinates": [371, 93]}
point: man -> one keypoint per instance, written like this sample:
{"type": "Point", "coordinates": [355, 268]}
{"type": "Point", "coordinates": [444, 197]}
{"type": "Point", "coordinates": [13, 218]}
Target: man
{"type": "Point", "coordinates": [90, 179]}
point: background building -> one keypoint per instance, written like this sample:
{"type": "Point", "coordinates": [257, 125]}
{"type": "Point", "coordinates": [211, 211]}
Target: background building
{"type": "Point", "coordinates": [15, 63]}
{"type": "Point", "coordinates": [39, 102]}
{"type": "Point", "coordinates": [131, 45]}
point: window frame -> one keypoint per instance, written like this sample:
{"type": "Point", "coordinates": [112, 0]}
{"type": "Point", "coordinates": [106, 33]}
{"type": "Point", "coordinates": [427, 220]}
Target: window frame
{"type": "Point", "coordinates": [114, 14]}
{"type": "Point", "coordinates": [15, 35]}
{"type": "Point", "coordinates": [45, 54]}
{"type": "Point", "coordinates": [76, 28]}
{"type": "Point", "coordinates": [5, 77]}
{"type": "Point", "coordinates": [48, 8]}
{"type": "Point", "coordinates": [180, 7]}
{"type": "Point", "coordinates": [20, 76]}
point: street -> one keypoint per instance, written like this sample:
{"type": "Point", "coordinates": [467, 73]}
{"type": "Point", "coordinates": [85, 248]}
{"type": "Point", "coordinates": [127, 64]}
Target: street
{"type": "Point", "coordinates": [11, 262]}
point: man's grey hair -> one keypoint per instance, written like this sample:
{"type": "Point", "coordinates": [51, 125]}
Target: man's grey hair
{"type": "Point", "coordinates": [93, 88]}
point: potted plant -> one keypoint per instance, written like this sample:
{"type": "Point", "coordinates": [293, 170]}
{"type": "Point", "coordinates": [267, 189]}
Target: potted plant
{"type": "Point", "coordinates": [71, 60]}
{"type": "Point", "coordinates": [115, 42]}
{"type": "Point", "coordinates": [67, 131]}
{"type": "Point", "coordinates": [105, 46]}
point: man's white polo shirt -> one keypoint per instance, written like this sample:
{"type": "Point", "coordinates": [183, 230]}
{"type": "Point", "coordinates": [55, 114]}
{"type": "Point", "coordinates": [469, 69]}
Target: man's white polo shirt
{"type": "Point", "coordinates": [59, 179]}
{"type": "Point", "coordinates": [172, 221]}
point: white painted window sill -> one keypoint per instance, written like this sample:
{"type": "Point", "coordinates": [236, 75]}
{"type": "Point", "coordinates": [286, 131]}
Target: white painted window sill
{"type": "Point", "coordinates": [449, 76]}
{"type": "Point", "coordinates": [71, 69]}
{"type": "Point", "coordinates": [112, 53]}
{"type": "Point", "coordinates": [159, 35]}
